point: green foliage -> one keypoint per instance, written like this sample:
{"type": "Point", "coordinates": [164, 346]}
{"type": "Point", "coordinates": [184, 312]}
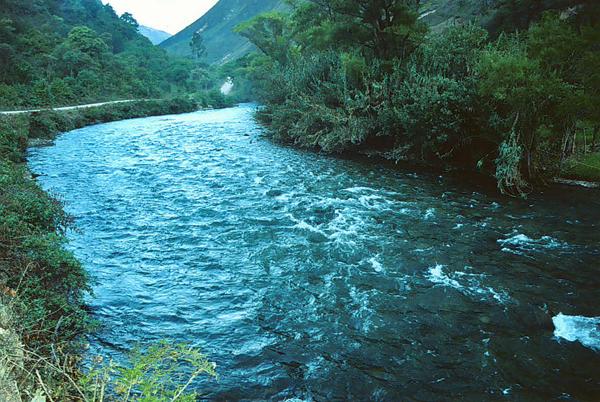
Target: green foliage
{"type": "Point", "coordinates": [79, 51]}
{"type": "Point", "coordinates": [269, 33]}
{"type": "Point", "coordinates": [197, 45]}
{"type": "Point", "coordinates": [384, 29]}
{"type": "Point", "coordinates": [364, 76]}
{"type": "Point", "coordinates": [130, 20]}
{"type": "Point", "coordinates": [585, 167]}
{"type": "Point", "coordinates": [46, 124]}
{"type": "Point", "coordinates": [212, 99]}
{"type": "Point", "coordinates": [520, 95]}
{"type": "Point", "coordinates": [161, 373]}
{"type": "Point", "coordinates": [515, 15]}
{"type": "Point", "coordinates": [433, 102]}
{"type": "Point", "coordinates": [508, 166]}
{"type": "Point", "coordinates": [48, 281]}
{"type": "Point", "coordinates": [319, 110]}
{"type": "Point", "coordinates": [13, 138]}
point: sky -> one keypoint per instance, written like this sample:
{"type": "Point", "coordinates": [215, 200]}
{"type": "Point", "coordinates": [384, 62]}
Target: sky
{"type": "Point", "coordinates": [167, 15]}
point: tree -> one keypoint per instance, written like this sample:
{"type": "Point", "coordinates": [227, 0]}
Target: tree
{"type": "Point", "coordinates": [7, 29]}
{"type": "Point", "coordinates": [129, 19]}
{"type": "Point", "coordinates": [385, 29]}
{"type": "Point", "coordinates": [197, 45]}
{"type": "Point", "coordinates": [87, 41]}
{"type": "Point", "coordinates": [523, 98]}
{"type": "Point", "coordinates": [7, 54]}
{"type": "Point", "coordinates": [269, 32]}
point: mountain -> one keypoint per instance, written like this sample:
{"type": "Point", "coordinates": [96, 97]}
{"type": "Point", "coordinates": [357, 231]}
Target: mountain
{"type": "Point", "coordinates": [57, 52]}
{"type": "Point", "coordinates": [222, 44]}
{"type": "Point", "coordinates": [156, 36]}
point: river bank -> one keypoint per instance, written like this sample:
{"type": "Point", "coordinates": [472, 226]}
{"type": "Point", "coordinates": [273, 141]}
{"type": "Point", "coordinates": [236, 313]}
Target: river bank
{"type": "Point", "coordinates": [478, 180]}
{"type": "Point", "coordinates": [42, 285]}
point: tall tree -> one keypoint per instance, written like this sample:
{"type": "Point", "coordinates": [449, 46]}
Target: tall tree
{"type": "Point", "coordinates": [129, 19]}
{"type": "Point", "coordinates": [388, 29]}
{"type": "Point", "coordinates": [197, 45]}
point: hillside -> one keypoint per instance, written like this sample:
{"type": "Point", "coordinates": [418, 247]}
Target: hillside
{"type": "Point", "coordinates": [62, 52]}
{"type": "Point", "coordinates": [156, 36]}
{"type": "Point", "coordinates": [222, 44]}
{"type": "Point", "coordinates": [495, 15]}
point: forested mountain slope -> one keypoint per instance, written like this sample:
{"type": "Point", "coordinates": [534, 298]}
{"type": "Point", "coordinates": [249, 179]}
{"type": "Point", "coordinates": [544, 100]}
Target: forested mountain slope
{"type": "Point", "coordinates": [217, 28]}
{"type": "Point", "coordinates": [76, 51]}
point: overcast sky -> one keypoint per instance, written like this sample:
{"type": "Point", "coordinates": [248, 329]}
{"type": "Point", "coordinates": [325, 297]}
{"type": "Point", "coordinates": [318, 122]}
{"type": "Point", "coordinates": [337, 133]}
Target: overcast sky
{"type": "Point", "coordinates": [167, 15]}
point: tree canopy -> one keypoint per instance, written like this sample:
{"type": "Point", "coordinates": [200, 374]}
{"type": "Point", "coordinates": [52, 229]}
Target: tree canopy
{"type": "Point", "coordinates": [71, 51]}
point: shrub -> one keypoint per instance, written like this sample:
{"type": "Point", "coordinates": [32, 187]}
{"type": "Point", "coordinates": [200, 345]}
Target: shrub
{"type": "Point", "coordinates": [161, 373]}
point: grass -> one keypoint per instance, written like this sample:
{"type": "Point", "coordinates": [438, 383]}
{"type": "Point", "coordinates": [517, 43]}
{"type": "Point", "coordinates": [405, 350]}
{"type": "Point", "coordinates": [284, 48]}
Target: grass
{"type": "Point", "coordinates": [585, 167]}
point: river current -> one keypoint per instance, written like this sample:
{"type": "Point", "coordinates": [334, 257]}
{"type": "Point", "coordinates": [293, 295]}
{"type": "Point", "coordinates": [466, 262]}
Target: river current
{"type": "Point", "coordinates": [318, 278]}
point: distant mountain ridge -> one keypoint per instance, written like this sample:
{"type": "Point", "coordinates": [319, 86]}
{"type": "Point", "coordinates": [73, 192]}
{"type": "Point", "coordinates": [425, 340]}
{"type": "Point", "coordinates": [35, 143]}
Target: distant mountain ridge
{"type": "Point", "coordinates": [156, 36]}
{"type": "Point", "coordinates": [222, 44]}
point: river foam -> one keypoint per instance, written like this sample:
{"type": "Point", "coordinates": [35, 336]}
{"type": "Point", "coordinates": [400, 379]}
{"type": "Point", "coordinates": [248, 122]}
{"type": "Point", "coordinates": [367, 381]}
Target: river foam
{"type": "Point", "coordinates": [575, 328]}
{"type": "Point", "coordinates": [519, 243]}
{"type": "Point", "coordinates": [466, 282]}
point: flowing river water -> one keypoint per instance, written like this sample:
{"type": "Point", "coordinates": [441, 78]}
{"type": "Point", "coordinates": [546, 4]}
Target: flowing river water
{"type": "Point", "coordinates": [318, 278]}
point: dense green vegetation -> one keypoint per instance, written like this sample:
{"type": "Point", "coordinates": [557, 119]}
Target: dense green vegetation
{"type": "Point", "coordinates": [161, 373]}
{"type": "Point", "coordinates": [48, 280]}
{"type": "Point", "coordinates": [358, 75]}
{"type": "Point", "coordinates": [63, 52]}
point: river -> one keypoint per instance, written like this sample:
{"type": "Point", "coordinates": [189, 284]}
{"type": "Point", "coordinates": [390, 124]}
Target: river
{"type": "Point", "coordinates": [319, 278]}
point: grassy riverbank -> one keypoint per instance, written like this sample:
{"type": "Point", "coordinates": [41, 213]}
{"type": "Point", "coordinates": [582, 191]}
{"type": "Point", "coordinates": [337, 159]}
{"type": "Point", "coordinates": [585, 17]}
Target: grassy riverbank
{"type": "Point", "coordinates": [42, 285]}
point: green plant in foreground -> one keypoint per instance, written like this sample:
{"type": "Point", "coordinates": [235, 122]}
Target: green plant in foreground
{"type": "Point", "coordinates": [163, 372]}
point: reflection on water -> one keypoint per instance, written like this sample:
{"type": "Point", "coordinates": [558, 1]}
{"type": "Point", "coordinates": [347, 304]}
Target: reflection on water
{"type": "Point", "coordinates": [317, 278]}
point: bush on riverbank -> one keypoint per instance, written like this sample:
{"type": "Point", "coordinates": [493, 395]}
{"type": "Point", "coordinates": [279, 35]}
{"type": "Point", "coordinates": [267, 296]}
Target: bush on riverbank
{"type": "Point", "coordinates": [161, 373]}
{"type": "Point", "coordinates": [349, 77]}
{"type": "Point", "coordinates": [42, 285]}
{"type": "Point", "coordinates": [213, 99]}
